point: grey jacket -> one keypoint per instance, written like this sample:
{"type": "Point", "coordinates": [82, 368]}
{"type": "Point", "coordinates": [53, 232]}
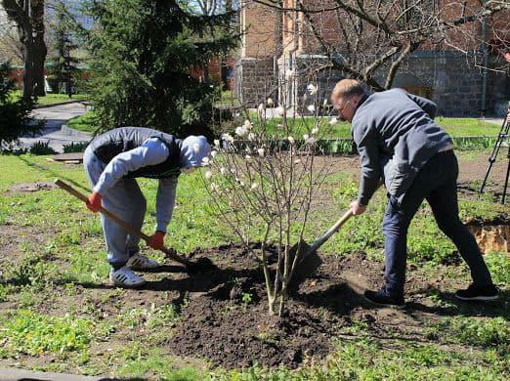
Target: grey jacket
{"type": "Point", "coordinates": [395, 135]}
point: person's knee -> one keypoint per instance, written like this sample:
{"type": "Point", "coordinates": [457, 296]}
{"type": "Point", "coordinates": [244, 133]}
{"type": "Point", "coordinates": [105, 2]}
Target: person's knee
{"type": "Point", "coordinates": [450, 226]}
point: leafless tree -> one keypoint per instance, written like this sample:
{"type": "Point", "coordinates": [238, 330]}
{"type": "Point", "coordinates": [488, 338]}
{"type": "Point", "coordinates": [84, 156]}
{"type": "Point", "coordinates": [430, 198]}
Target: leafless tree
{"type": "Point", "coordinates": [9, 41]}
{"type": "Point", "coordinates": [370, 39]}
{"type": "Point", "coordinates": [263, 182]}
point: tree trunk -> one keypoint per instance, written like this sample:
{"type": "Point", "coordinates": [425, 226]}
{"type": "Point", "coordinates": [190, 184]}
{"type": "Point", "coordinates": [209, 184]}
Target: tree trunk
{"type": "Point", "coordinates": [28, 15]}
{"type": "Point", "coordinates": [39, 47]}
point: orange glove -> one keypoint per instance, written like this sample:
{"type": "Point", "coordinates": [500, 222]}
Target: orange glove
{"type": "Point", "coordinates": [157, 240]}
{"type": "Point", "coordinates": [94, 202]}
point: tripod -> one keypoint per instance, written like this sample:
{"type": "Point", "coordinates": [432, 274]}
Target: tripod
{"type": "Point", "coordinates": [503, 135]}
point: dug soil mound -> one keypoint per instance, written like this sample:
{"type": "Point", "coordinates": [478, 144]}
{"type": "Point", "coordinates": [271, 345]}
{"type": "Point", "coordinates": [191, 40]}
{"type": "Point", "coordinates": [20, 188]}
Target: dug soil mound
{"type": "Point", "coordinates": [225, 320]}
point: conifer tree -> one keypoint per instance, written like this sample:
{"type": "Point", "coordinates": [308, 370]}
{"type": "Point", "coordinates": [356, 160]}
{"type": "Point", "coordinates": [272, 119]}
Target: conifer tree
{"type": "Point", "coordinates": [142, 54]}
{"type": "Point", "coordinates": [15, 118]}
{"type": "Point", "coordinates": [64, 61]}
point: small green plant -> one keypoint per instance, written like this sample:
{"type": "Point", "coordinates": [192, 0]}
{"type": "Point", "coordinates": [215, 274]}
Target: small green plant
{"type": "Point", "coordinates": [41, 148]}
{"type": "Point", "coordinates": [32, 333]}
{"type": "Point", "coordinates": [75, 147]}
{"type": "Point", "coordinates": [154, 317]}
{"type": "Point", "coordinates": [246, 299]}
{"type": "Point", "coordinates": [481, 332]}
{"type": "Point", "coordinates": [499, 266]}
{"type": "Point", "coordinates": [29, 272]}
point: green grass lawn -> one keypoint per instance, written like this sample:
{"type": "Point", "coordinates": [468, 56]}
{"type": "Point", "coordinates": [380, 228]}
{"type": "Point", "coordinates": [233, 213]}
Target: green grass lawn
{"type": "Point", "coordinates": [50, 98]}
{"type": "Point", "coordinates": [457, 127]}
{"type": "Point", "coordinates": [61, 245]}
{"type": "Point", "coordinates": [83, 122]}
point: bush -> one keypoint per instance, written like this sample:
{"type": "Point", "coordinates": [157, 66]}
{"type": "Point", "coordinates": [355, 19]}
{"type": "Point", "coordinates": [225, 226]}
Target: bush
{"type": "Point", "coordinates": [14, 114]}
{"type": "Point", "coordinates": [42, 148]}
{"type": "Point", "coordinates": [75, 147]}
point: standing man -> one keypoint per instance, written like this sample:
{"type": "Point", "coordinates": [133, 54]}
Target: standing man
{"type": "Point", "coordinates": [112, 163]}
{"type": "Point", "coordinates": [398, 141]}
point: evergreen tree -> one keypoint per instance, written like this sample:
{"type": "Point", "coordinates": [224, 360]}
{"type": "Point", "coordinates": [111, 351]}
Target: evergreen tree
{"type": "Point", "coordinates": [142, 53]}
{"type": "Point", "coordinates": [14, 114]}
{"type": "Point", "coordinates": [64, 62]}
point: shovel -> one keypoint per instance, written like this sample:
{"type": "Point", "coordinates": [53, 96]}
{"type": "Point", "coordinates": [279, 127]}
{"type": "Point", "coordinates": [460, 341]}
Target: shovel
{"type": "Point", "coordinates": [308, 260]}
{"type": "Point", "coordinates": [170, 253]}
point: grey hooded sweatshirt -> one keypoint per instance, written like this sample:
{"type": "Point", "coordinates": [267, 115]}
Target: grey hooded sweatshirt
{"type": "Point", "coordinates": [395, 135]}
{"type": "Point", "coordinates": [141, 152]}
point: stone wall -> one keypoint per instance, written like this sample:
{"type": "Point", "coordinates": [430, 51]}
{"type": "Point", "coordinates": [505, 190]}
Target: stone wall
{"type": "Point", "coordinates": [256, 80]}
{"type": "Point", "coordinates": [455, 83]}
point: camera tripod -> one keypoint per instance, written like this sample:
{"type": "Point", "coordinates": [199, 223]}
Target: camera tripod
{"type": "Point", "coordinates": [503, 135]}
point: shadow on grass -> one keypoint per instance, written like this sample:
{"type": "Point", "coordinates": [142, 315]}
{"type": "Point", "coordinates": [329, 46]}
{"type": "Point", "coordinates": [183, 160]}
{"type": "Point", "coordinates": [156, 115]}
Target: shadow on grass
{"type": "Point", "coordinates": [53, 173]}
{"type": "Point", "coordinates": [455, 307]}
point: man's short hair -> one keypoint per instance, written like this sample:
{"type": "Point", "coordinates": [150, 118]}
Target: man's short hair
{"type": "Point", "coordinates": [347, 88]}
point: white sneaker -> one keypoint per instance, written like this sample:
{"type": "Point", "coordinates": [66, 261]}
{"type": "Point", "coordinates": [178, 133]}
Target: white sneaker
{"type": "Point", "coordinates": [141, 262]}
{"type": "Point", "coordinates": [124, 277]}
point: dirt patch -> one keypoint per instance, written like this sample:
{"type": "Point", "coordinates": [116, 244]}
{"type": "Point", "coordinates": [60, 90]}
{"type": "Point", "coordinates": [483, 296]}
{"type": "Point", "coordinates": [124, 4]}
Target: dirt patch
{"type": "Point", "coordinates": [225, 319]}
{"type": "Point", "coordinates": [31, 187]}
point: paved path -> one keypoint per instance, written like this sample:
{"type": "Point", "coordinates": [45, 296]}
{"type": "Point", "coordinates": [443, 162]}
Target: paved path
{"type": "Point", "coordinates": [55, 117]}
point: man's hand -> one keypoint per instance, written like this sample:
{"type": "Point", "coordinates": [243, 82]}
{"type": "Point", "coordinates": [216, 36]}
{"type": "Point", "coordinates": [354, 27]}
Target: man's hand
{"type": "Point", "coordinates": [157, 240]}
{"type": "Point", "coordinates": [94, 202]}
{"type": "Point", "coordinates": [357, 209]}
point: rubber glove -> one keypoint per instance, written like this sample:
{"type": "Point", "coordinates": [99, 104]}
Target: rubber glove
{"type": "Point", "coordinates": [157, 240]}
{"type": "Point", "coordinates": [94, 202]}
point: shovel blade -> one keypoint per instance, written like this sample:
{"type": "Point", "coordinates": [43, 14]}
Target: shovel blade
{"type": "Point", "coordinates": [309, 261]}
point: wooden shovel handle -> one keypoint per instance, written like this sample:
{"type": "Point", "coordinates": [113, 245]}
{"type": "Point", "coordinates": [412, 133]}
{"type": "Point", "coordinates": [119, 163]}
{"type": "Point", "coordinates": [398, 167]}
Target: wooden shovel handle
{"type": "Point", "coordinates": [128, 227]}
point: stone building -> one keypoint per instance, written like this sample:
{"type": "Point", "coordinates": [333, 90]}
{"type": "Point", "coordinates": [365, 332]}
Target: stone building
{"type": "Point", "coordinates": [276, 56]}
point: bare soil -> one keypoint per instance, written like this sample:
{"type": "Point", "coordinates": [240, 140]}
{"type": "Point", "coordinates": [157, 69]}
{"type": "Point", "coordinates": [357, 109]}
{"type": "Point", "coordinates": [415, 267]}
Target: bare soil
{"type": "Point", "coordinates": [220, 324]}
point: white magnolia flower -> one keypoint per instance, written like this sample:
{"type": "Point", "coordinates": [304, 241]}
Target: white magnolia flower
{"type": "Point", "coordinates": [270, 102]}
{"type": "Point", "coordinates": [260, 109]}
{"type": "Point", "coordinates": [280, 111]}
{"type": "Point", "coordinates": [241, 131]}
{"type": "Point", "coordinates": [333, 121]}
{"type": "Point", "coordinates": [261, 152]}
{"type": "Point", "coordinates": [254, 186]}
{"type": "Point", "coordinates": [291, 140]}
{"type": "Point", "coordinates": [228, 138]}
{"type": "Point", "coordinates": [214, 153]}
{"type": "Point", "coordinates": [247, 124]}
{"type": "Point", "coordinates": [315, 130]}
{"type": "Point", "coordinates": [251, 136]}
{"type": "Point", "coordinates": [306, 136]}
{"type": "Point", "coordinates": [217, 143]}
{"type": "Point", "coordinates": [223, 170]}
{"type": "Point", "coordinates": [325, 103]}
{"type": "Point", "coordinates": [311, 140]}
{"type": "Point", "coordinates": [310, 108]}
{"type": "Point", "coordinates": [312, 89]}
{"type": "Point", "coordinates": [208, 175]}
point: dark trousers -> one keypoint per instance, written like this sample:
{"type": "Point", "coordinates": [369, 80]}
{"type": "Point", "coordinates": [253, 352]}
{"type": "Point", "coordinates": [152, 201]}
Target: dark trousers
{"type": "Point", "coordinates": [437, 183]}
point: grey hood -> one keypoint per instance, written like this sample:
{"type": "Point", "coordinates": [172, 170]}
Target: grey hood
{"type": "Point", "coordinates": [193, 150]}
